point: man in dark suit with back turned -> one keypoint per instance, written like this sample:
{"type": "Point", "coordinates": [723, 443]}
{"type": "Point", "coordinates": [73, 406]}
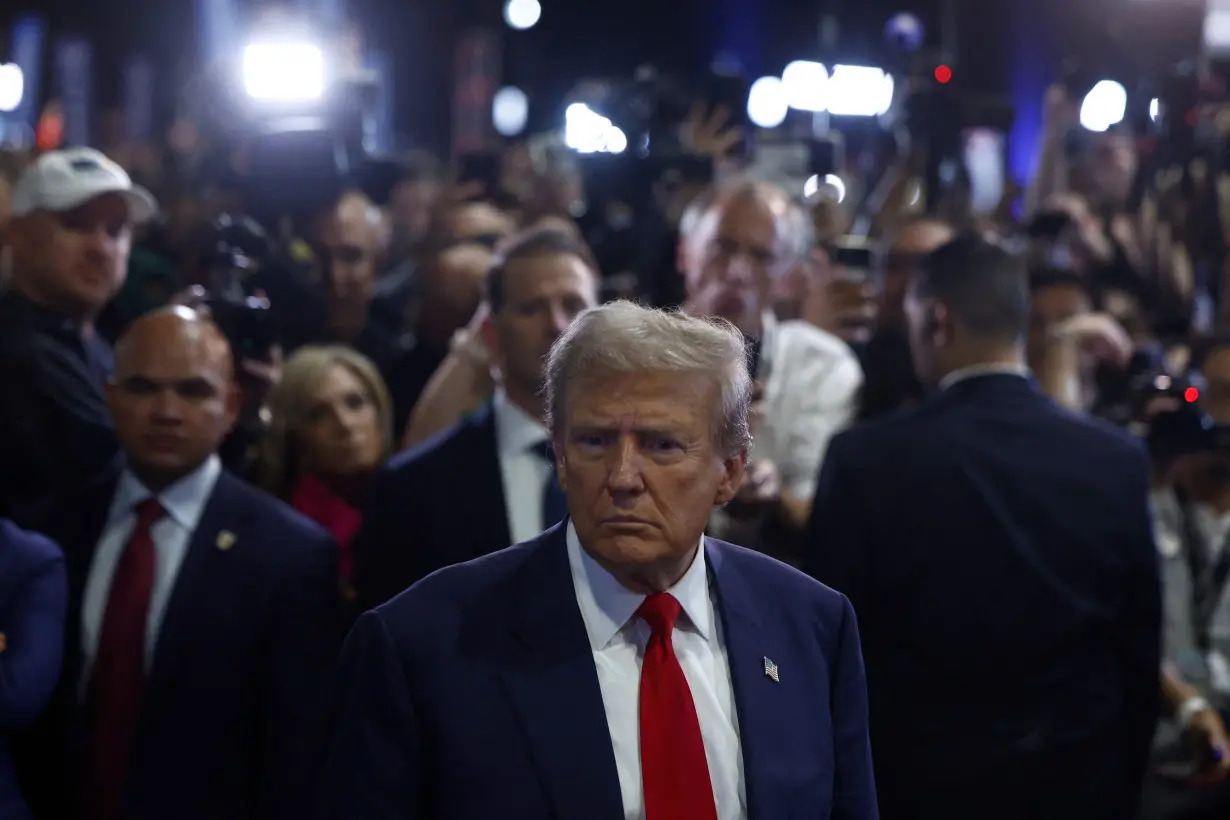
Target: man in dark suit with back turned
{"type": "Point", "coordinates": [488, 482]}
{"type": "Point", "coordinates": [999, 553]}
{"type": "Point", "coordinates": [204, 616]}
{"type": "Point", "coordinates": [620, 664]}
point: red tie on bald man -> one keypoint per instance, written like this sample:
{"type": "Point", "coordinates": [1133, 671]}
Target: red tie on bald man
{"type": "Point", "coordinates": [674, 771]}
{"type": "Point", "coordinates": [119, 667]}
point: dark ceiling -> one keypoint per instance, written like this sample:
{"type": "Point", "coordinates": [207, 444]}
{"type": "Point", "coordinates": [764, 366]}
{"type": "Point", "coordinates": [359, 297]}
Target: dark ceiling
{"type": "Point", "coordinates": [611, 37]}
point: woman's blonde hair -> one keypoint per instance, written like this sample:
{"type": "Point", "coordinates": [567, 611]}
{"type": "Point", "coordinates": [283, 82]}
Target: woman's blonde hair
{"type": "Point", "coordinates": [276, 464]}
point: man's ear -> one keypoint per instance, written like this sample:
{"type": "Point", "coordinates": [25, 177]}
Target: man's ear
{"type": "Point", "coordinates": [486, 332]}
{"type": "Point", "coordinates": [734, 469]}
{"type": "Point", "coordinates": [940, 323]}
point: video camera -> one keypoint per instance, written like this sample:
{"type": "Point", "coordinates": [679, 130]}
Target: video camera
{"type": "Point", "coordinates": [1162, 407]}
{"type": "Point", "coordinates": [941, 117]}
{"type": "Point", "coordinates": [238, 248]}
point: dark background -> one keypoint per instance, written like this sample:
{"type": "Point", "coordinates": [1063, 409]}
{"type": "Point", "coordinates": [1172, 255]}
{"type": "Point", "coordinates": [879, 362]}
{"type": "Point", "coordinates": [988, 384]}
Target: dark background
{"type": "Point", "coordinates": [999, 40]}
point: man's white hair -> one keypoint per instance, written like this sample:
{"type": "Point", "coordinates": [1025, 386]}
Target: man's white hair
{"type": "Point", "coordinates": [794, 225]}
{"type": "Point", "coordinates": [623, 337]}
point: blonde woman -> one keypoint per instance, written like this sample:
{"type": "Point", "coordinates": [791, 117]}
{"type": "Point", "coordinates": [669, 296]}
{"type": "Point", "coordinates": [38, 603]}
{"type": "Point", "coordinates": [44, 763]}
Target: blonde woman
{"type": "Point", "coordinates": [330, 430]}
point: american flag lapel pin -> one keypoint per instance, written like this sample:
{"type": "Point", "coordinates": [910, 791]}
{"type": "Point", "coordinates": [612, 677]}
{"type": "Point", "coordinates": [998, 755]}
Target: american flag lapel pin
{"type": "Point", "coordinates": [770, 671]}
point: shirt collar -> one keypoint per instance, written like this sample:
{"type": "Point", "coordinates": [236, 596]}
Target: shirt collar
{"type": "Point", "coordinates": [607, 606]}
{"type": "Point", "coordinates": [977, 370]}
{"type": "Point", "coordinates": [184, 500]}
{"type": "Point", "coordinates": [768, 327]}
{"type": "Point", "coordinates": [516, 431]}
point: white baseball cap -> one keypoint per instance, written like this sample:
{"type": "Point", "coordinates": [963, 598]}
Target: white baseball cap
{"type": "Point", "coordinates": [59, 181]}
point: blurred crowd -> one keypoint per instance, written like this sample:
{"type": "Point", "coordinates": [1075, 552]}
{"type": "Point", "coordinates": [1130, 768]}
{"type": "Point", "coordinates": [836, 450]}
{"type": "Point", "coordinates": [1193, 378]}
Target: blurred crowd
{"type": "Point", "coordinates": [366, 402]}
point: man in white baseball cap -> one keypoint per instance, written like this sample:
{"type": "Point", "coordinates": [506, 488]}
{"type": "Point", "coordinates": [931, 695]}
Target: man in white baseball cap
{"type": "Point", "coordinates": [72, 218]}
{"type": "Point", "coordinates": [70, 234]}
{"type": "Point", "coordinates": [60, 181]}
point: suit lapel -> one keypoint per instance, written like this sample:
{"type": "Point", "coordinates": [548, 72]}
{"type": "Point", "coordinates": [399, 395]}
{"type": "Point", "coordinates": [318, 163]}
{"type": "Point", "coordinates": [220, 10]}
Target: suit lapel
{"type": "Point", "coordinates": [77, 527]}
{"type": "Point", "coordinates": [195, 580]}
{"type": "Point", "coordinates": [79, 539]}
{"type": "Point", "coordinates": [549, 675]}
{"type": "Point", "coordinates": [767, 714]}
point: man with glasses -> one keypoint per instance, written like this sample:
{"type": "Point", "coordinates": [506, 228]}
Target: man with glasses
{"type": "Point", "coordinates": [736, 243]}
{"type": "Point", "coordinates": [71, 231]}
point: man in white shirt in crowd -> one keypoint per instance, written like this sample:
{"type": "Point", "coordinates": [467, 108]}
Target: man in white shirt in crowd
{"type": "Point", "coordinates": [737, 242]}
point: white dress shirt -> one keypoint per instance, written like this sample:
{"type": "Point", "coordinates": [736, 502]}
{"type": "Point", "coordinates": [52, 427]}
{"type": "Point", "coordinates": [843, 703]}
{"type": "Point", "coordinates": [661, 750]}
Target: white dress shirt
{"type": "Point", "coordinates": [184, 501]}
{"type": "Point", "coordinates": [974, 371]}
{"type": "Point", "coordinates": [524, 471]}
{"type": "Point", "coordinates": [811, 391]}
{"type": "Point", "coordinates": [618, 641]}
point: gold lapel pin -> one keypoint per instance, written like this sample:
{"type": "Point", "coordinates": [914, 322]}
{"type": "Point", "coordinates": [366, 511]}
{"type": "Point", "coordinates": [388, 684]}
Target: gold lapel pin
{"type": "Point", "coordinates": [226, 540]}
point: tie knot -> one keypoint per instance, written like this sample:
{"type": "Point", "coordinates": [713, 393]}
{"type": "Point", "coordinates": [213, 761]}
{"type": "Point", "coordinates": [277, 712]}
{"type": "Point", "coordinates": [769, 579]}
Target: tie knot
{"type": "Point", "coordinates": [660, 611]}
{"type": "Point", "coordinates": [149, 511]}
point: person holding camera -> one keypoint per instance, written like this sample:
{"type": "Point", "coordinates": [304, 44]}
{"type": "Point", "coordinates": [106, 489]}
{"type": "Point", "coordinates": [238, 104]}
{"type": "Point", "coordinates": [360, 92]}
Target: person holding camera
{"type": "Point", "coordinates": [1191, 509]}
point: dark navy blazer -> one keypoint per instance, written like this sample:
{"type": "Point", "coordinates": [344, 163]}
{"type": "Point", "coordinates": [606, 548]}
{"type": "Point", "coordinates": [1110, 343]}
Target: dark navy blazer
{"type": "Point", "coordinates": [232, 717]}
{"type": "Point", "coordinates": [474, 695]}
{"type": "Point", "coordinates": [999, 552]}
{"type": "Point", "coordinates": [33, 592]}
{"type": "Point", "coordinates": [437, 504]}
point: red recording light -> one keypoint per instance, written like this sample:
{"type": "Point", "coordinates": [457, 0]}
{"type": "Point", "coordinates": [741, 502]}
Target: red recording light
{"type": "Point", "coordinates": [1191, 394]}
{"type": "Point", "coordinates": [943, 74]}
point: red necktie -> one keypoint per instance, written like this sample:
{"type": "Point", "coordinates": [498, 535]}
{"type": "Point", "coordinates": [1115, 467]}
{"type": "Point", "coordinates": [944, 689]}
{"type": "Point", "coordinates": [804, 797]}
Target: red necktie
{"type": "Point", "coordinates": [674, 771]}
{"type": "Point", "coordinates": [119, 667]}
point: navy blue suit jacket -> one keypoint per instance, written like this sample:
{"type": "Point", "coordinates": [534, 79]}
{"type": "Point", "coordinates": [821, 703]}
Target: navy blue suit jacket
{"type": "Point", "coordinates": [414, 525]}
{"type": "Point", "coordinates": [33, 592]}
{"type": "Point", "coordinates": [999, 552]}
{"type": "Point", "coordinates": [231, 720]}
{"type": "Point", "coordinates": [474, 695]}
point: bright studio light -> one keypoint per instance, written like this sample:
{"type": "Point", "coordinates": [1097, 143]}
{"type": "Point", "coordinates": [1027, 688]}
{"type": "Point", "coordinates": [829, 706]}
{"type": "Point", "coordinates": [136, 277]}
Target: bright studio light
{"type": "Point", "coordinates": [1104, 106]}
{"type": "Point", "coordinates": [510, 109]}
{"type": "Point", "coordinates": [284, 72]}
{"type": "Point", "coordinates": [522, 14]}
{"type": "Point", "coordinates": [588, 132]}
{"type": "Point", "coordinates": [767, 104]}
{"type": "Point", "coordinates": [12, 87]}
{"type": "Point", "coordinates": [859, 91]}
{"type": "Point", "coordinates": [806, 85]}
